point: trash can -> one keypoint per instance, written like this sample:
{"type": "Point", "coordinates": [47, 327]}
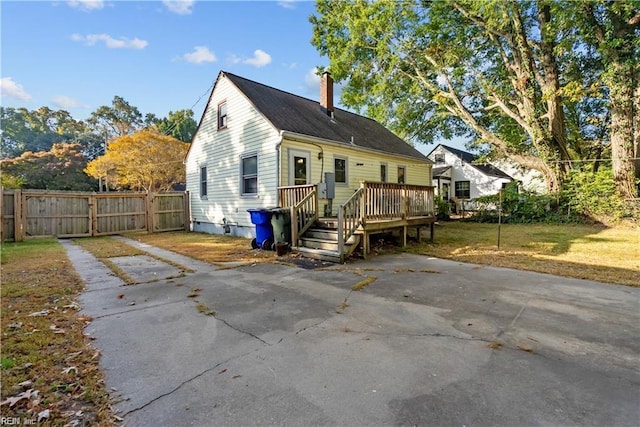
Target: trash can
{"type": "Point", "coordinates": [264, 232]}
{"type": "Point", "coordinates": [281, 224]}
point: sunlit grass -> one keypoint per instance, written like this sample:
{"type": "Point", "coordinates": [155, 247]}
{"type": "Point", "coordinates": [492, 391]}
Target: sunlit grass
{"type": "Point", "coordinates": [580, 251]}
{"type": "Point", "coordinates": [207, 247]}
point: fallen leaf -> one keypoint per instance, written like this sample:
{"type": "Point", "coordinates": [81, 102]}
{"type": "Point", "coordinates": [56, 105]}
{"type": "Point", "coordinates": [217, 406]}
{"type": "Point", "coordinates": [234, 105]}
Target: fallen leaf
{"type": "Point", "coordinates": [525, 347]}
{"type": "Point", "coordinates": [17, 325]}
{"type": "Point", "coordinates": [120, 296]}
{"type": "Point", "coordinates": [25, 383]}
{"type": "Point", "coordinates": [42, 415]}
{"type": "Point", "coordinates": [223, 371]}
{"type": "Point", "coordinates": [235, 376]}
{"type": "Point", "coordinates": [40, 313]}
{"type": "Point", "coordinates": [69, 369]}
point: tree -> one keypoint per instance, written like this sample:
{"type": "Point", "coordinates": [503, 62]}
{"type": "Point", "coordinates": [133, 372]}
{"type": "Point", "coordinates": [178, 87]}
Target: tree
{"type": "Point", "coordinates": [119, 119]}
{"type": "Point", "coordinates": [613, 28]}
{"type": "Point", "coordinates": [499, 74]}
{"type": "Point", "coordinates": [180, 125]}
{"type": "Point", "coordinates": [145, 161]}
{"type": "Point", "coordinates": [61, 168]}
{"type": "Point", "coordinates": [37, 130]}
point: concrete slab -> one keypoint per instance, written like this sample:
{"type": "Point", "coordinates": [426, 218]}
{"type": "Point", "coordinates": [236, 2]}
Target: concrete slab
{"type": "Point", "coordinates": [429, 342]}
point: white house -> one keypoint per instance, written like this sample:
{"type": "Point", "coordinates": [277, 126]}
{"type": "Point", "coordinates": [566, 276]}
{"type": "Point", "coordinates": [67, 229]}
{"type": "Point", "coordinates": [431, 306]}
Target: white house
{"type": "Point", "coordinates": [253, 140]}
{"type": "Point", "coordinates": [458, 176]}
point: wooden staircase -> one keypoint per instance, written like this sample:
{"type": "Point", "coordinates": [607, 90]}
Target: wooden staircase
{"type": "Point", "coordinates": [320, 241]}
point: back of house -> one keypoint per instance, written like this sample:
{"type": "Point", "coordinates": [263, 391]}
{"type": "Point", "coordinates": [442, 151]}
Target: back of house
{"type": "Point", "coordinates": [253, 139]}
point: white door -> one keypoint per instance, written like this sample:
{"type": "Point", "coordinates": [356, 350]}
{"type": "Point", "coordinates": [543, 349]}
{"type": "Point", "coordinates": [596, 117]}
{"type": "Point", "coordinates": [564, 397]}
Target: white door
{"type": "Point", "coordinates": [299, 167]}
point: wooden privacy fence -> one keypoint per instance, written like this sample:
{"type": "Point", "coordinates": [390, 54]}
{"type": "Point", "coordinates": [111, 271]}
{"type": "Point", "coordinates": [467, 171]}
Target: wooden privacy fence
{"type": "Point", "coordinates": [39, 213]}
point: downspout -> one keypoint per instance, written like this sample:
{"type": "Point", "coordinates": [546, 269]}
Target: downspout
{"type": "Point", "coordinates": [278, 157]}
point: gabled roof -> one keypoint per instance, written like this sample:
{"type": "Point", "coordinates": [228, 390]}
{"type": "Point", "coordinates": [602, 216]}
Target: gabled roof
{"type": "Point", "coordinates": [486, 168]}
{"type": "Point", "coordinates": [293, 113]}
{"type": "Point", "coordinates": [439, 170]}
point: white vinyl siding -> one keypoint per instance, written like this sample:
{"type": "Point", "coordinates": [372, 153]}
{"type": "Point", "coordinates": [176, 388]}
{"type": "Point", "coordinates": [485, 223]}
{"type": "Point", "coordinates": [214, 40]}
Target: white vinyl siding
{"type": "Point", "coordinates": [247, 132]}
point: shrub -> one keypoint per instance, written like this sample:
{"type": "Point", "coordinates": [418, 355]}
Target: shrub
{"type": "Point", "coordinates": [443, 208]}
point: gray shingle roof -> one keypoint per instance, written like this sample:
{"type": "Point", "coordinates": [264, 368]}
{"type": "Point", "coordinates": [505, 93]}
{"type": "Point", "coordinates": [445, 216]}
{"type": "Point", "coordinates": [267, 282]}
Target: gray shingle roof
{"type": "Point", "coordinates": [294, 113]}
{"type": "Point", "coordinates": [486, 168]}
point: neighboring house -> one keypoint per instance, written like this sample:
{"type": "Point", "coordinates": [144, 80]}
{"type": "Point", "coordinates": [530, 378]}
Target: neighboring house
{"type": "Point", "coordinates": [253, 139]}
{"type": "Point", "coordinates": [528, 179]}
{"type": "Point", "coordinates": [458, 176]}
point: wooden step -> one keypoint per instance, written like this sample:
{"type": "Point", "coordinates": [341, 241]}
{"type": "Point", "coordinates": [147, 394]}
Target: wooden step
{"type": "Point", "coordinates": [316, 243]}
{"type": "Point", "coordinates": [322, 233]}
{"type": "Point", "coordinates": [330, 223]}
{"type": "Point", "coordinates": [321, 254]}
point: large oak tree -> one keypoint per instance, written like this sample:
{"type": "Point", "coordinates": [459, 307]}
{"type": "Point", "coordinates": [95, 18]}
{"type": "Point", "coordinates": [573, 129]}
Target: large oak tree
{"type": "Point", "coordinates": [509, 74]}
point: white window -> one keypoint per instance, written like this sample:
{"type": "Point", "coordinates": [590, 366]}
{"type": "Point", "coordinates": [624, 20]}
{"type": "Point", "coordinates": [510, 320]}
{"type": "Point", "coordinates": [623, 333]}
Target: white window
{"type": "Point", "coordinates": [340, 169]}
{"type": "Point", "coordinates": [439, 158]}
{"type": "Point", "coordinates": [203, 182]}
{"type": "Point", "coordinates": [249, 175]}
{"type": "Point", "coordinates": [222, 115]}
{"type": "Point", "coordinates": [401, 174]}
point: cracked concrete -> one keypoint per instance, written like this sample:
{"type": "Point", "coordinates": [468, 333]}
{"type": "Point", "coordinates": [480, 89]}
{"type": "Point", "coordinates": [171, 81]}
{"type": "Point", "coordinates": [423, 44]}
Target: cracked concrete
{"type": "Point", "coordinates": [412, 348]}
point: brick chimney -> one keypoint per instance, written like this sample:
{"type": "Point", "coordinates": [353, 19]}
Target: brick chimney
{"type": "Point", "coordinates": [326, 93]}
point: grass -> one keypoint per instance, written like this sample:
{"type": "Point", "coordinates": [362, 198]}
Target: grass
{"type": "Point", "coordinates": [597, 253]}
{"type": "Point", "coordinates": [43, 344]}
{"type": "Point", "coordinates": [207, 247]}
{"type": "Point", "coordinates": [106, 247]}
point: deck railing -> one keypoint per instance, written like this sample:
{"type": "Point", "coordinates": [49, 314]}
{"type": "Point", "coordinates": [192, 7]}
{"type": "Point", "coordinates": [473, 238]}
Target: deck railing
{"type": "Point", "coordinates": [303, 201]}
{"type": "Point", "coordinates": [350, 218]}
{"type": "Point", "coordinates": [386, 201]}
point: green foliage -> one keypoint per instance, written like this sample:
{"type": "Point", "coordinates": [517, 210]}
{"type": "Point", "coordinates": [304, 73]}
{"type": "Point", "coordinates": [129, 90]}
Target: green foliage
{"type": "Point", "coordinates": [532, 80]}
{"type": "Point", "coordinates": [519, 207]}
{"type": "Point", "coordinates": [179, 124]}
{"type": "Point", "coordinates": [587, 197]}
{"type": "Point", "coordinates": [61, 168]}
{"type": "Point", "coordinates": [594, 195]}
{"type": "Point", "coordinates": [443, 208]}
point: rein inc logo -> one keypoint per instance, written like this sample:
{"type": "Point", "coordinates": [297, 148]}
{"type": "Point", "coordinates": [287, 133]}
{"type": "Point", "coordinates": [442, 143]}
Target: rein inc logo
{"type": "Point", "coordinates": [16, 421]}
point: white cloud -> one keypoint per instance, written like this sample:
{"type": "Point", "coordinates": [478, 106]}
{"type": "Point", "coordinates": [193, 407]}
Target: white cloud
{"type": "Point", "coordinates": [179, 7]}
{"type": "Point", "coordinates": [260, 59]}
{"type": "Point", "coordinates": [65, 102]}
{"type": "Point", "coordinates": [287, 4]}
{"type": "Point", "coordinates": [11, 89]}
{"type": "Point", "coordinates": [86, 5]}
{"type": "Point", "coordinates": [312, 80]}
{"type": "Point", "coordinates": [199, 55]}
{"type": "Point", "coordinates": [110, 42]}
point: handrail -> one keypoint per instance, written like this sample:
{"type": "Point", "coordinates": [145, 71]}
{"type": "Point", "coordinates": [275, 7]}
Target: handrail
{"type": "Point", "coordinates": [350, 217]}
{"type": "Point", "coordinates": [290, 196]}
{"type": "Point", "coordinates": [303, 215]}
{"type": "Point", "coordinates": [387, 200]}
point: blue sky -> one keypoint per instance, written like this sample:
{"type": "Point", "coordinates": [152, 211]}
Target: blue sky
{"type": "Point", "coordinates": [160, 56]}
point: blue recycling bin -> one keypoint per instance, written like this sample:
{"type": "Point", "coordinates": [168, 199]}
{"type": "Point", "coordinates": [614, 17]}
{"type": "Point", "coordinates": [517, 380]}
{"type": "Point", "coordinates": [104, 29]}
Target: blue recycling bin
{"type": "Point", "coordinates": [261, 218]}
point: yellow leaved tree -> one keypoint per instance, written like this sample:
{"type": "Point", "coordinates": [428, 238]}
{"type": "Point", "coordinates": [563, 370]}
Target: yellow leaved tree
{"type": "Point", "coordinates": [144, 161]}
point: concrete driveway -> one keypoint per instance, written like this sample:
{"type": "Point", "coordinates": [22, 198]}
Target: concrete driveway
{"type": "Point", "coordinates": [429, 343]}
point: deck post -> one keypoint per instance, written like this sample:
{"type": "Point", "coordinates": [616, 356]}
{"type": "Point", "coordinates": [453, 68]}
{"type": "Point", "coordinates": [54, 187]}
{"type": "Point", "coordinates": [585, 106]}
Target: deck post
{"type": "Point", "coordinates": [432, 226]}
{"type": "Point", "coordinates": [404, 235]}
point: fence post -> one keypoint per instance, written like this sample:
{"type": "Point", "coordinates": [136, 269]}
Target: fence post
{"type": "Point", "coordinates": [19, 215]}
{"type": "Point", "coordinates": [186, 206]}
{"type": "Point", "coordinates": [150, 212]}
{"type": "Point", "coordinates": [93, 214]}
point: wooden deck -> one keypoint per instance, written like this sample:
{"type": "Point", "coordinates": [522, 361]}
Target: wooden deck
{"type": "Point", "coordinates": [373, 208]}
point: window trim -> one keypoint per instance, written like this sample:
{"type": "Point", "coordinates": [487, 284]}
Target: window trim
{"type": "Point", "coordinates": [292, 154]}
{"type": "Point", "coordinates": [456, 190]}
{"type": "Point", "coordinates": [386, 172]}
{"type": "Point", "coordinates": [221, 117]}
{"type": "Point", "coordinates": [346, 170]}
{"type": "Point", "coordinates": [404, 174]}
{"type": "Point", "coordinates": [204, 182]}
{"type": "Point", "coordinates": [244, 177]}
